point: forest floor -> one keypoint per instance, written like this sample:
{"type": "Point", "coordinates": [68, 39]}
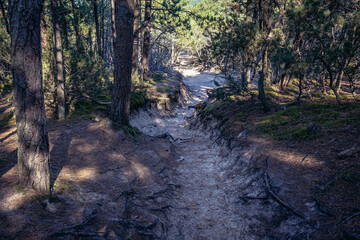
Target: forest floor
{"type": "Point", "coordinates": [185, 175]}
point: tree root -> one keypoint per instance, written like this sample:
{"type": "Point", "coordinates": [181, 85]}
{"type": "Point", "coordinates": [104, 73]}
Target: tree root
{"type": "Point", "coordinates": [71, 230]}
{"type": "Point", "coordinates": [128, 192]}
{"type": "Point", "coordinates": [275, 197]}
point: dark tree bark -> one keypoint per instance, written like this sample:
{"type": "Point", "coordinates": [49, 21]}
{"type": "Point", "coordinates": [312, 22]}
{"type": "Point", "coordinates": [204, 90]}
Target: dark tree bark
{"type": "Point", "coordinates": [135, 55]}
{"type": "Point", "coordinates": [33, 143]}
{"type": "Point", "coordinates": [262, 95]}
{"type": "Point", "coordinates": [60, 82]}
{"type": "Point", "coordinates": [64, 25]}
{"type": "Point", "coordinates": [124, 22]}
{"type": "Point", "coordinates": [76, 24]}
{"type": "Point", "coordinates": [102, 29]}
{"type": "Point", "coordinates": [146, 43]}
{"type": "Point", "coordinates": [97, 27]}
{"type": "Point", "coordinates": [4, 16]}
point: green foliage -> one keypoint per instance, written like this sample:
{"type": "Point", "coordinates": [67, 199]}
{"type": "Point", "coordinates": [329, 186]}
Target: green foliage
{"type": "Point", "coordinates": [293, 122]}
{"type": "Point", "coordinates": [5, 61]}
{"type": "Point", "coordinates": [138, 99]}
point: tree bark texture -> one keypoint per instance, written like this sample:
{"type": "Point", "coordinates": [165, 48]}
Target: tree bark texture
{"type": "Point", "coordinates": [146, 43]}
{"type": "Point", "coordinates": [97, 27]}
{"type": "Point", "coordinates": [135, 55]}
{"type": "Point", "coordinates": [60, 81]}
{"type": "Point", "coordinates": [76, 24]}
{"type": "Point", "coordinates": [33, 143]}
{"type": "Point", "coordinates": [124, 22]}
{"type": "Point", "coordinates": [113, 21]}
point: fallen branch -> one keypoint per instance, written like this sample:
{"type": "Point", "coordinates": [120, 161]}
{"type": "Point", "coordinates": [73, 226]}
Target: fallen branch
{"type": "Point", "coordinates": [332, 181]}
{"type": "Point", "coordinates": [305, 157]}
{"type": "Point", "coordinates": [272, 193]}
{"type": "Point", "coordinates": [351, 217]}
{"type": "Point", "coordinates": [127, 192]}
{"type": "Point", "coordinates": [68, 230]}
{"type": "Point", "coordinates": [320, 207]}
{"type": "Point", "coordinates": [94, 100]}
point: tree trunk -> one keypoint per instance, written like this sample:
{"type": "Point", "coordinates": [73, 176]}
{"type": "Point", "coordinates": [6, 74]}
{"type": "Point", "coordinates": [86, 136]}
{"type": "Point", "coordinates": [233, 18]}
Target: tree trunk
{"type": "Point", "coordinates": [249, 10]}
{"type": "Point", "coordinates": [76, 25]}
{"type": "Point", "coordinates": [102, 29]}
{"type": "Point", "coordinates": [113, 22]}
{"type": "Point", "coordinates": [124, 22]}
{"type": "Point", "coordinates": [97, 27]}
{"type": "Point", "coordinates": [146, 44]}
{"type": "Point", "coordinates": [301, 79]}
{"type": "Point", "coordinates": [135, 55]}
{"type": "Point", "coordinates": [262, 96]}
{"type": "Point", "coordinates": [33, 143]}
{"type": "Point", "coordinates": [4, 16]}
{"type": "Point", "coordinates": [60, 83]}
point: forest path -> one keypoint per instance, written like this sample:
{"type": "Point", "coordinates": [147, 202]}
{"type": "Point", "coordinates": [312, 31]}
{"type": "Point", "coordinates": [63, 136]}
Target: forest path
{"type": "Point", "coordinates": [207, 202]}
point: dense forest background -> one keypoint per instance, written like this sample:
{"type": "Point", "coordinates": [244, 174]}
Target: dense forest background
{"type": "Point", "coordinates": [312, 45]}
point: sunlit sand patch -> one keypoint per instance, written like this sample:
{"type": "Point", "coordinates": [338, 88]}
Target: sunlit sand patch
{"type": "Point", "coordinates": [86, 173]}
{"type": "Point", "coordinates": [12, 201]}
{"type": "Point", "coordinates": [86, 147]}
{"type": "Point", "coordinates": [142, 171]}
{"type": "Point", "coordinates": [116, 156]}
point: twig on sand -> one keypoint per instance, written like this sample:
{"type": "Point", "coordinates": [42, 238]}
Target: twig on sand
{"type": "Point", "coordinates": [127, 192]}
{"type": "Point", "coordinates": [272, 193]}
{"type": "Point", "coordinates": [253, 198]}
{"type": "Point", "coordinates": [351, 217]}
{"type": "Point", "coordinates": [305, 157]}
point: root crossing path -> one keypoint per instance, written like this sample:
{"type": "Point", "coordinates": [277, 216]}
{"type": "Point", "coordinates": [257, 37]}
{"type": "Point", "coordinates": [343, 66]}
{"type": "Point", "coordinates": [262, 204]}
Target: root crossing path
{"type": "Point", "coordinates": [207, 202]}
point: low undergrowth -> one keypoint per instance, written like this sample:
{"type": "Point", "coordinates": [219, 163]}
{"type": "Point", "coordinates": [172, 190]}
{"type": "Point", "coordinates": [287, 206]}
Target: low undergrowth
{"type": "Point", "coordinates": [308, 121]}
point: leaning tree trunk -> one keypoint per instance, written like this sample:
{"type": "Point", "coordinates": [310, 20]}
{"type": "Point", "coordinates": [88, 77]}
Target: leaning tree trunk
{"type": "Point", "coordinates": [135, 55]}
{"type": "Point", "coordinates": [124, 23]}
{"type": "Point", "coordinates": [33, 143]}
{"type": "Point", "coordinates": [146, 43]}
{"type": "Point", "coordinates": [60, 83]}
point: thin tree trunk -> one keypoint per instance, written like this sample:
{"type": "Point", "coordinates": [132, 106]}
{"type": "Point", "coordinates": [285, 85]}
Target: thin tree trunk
{"type": "Point", "coordinates": [113, 22]}
{"type": "Point", "coordinates": [301, 79]}
{"type": "Point", "coordinates": [248, 11]}
{"type": "Point", "coordinates": [76, 24]}
{"type": "Point", "coordinates": [262, 96]}
{"type": "Point", "coordinates": [146, 43]}
{"type": "Point", "coordinates": [33, 142]}
{"type": "Point", "coordinates": [64, 25]}
{"type": "Point", "coordinates": [60, 83]}
{"type": "Point", "coordinates": [102, 29]}
{"type": "Point", "coordinates": [124, 21]}
{"type": "Point", "coordinates": [135, 55]}
{"type": "Point", "coordinates": [4, 16]}
{"type": "Point", "coordinates": [97, 27]}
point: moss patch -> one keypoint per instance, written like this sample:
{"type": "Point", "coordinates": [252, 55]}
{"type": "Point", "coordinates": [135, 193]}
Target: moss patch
{"type": "Point", "coordinates": [294, 122]}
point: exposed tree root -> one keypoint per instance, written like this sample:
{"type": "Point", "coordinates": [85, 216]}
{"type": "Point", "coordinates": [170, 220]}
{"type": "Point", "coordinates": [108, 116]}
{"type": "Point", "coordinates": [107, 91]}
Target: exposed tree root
{"type": "Point", "coordinates": [272, 193]}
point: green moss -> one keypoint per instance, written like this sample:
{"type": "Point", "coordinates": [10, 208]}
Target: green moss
{"type": "Point", "coordinates": [211, 108]}
{"type": "Point", "coordinates": [137, 100]}
{"type": "Point", "coordinates": [293, 122]}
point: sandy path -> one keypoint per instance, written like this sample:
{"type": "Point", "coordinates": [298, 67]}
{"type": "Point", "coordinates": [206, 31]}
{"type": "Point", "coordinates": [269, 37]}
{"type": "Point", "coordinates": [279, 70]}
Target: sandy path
{"type": "Point", "coordinates": [208, 203]}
